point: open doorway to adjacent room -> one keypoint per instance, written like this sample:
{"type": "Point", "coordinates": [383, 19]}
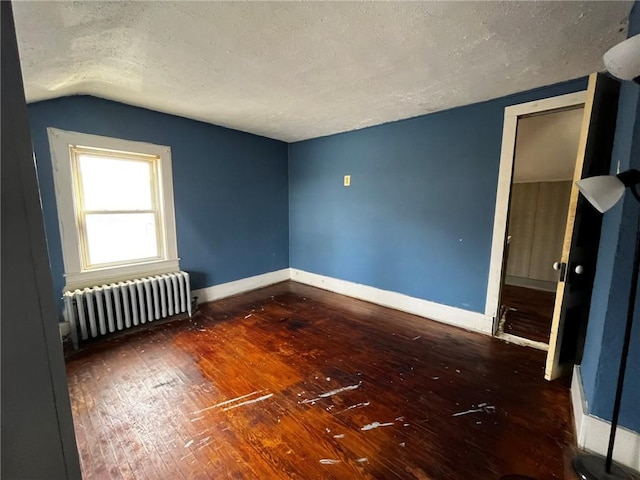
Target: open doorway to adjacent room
{"type": "Point", "coordinates": [534, 231]}
{"type": "Point", "coordinates": [544, 162]}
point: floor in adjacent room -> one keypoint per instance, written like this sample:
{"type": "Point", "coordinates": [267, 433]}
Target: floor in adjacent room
{"type": "Point", "coordinates": [295, 382]}
{"type": "Point", "coordinates": [527, 312]}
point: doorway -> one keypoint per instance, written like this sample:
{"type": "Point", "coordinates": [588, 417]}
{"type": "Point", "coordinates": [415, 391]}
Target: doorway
{"type": "Point", "coordinates": [577, 263]}
{"type": "Point", "coordinates": [544, 160]}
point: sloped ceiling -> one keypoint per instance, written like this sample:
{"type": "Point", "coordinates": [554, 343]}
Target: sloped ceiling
{"type": "Point", "coordinates": [293, 71]}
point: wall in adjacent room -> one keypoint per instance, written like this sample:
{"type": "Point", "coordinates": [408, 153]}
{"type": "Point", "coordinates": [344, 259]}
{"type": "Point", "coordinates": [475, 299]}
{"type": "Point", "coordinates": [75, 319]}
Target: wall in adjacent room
{"type": "Point", "coordinates": [418, 216]}
{"type": "Point", "coordinates": [230, 187]}
{"type": "Point", "coordinates": [612, 283]}
{"type": "Point", "coordinates": [537, 222]}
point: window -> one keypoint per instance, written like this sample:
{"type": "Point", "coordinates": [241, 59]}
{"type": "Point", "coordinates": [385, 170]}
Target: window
{"type": "Point", "coordinates": [115, 208]}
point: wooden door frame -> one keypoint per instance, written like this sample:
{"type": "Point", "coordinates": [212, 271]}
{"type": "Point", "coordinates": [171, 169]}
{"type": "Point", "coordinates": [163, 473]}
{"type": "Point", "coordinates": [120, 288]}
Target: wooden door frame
{"type": "Point", "coordinates": [507, 156]}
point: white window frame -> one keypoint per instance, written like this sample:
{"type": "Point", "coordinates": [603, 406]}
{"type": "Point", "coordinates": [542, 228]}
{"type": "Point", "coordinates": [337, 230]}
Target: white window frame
{"type": "Point", "coordinates": [61, 143]}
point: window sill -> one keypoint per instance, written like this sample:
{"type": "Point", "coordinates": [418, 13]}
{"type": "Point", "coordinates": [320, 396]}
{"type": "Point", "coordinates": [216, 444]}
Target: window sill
{"type": "Point", "coordinates": [92, 278]}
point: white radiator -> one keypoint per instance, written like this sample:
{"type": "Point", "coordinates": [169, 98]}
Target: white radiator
{"type": "Point", "coordinates": [100, 310]}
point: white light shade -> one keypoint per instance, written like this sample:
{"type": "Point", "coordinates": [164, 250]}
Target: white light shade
{"type": "Point", "coordinates": [623, 60]}
{"type": "Point", "coordinates": [603, 192]}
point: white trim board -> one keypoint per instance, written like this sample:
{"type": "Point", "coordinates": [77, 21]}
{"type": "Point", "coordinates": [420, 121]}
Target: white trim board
{"type": "Point", "coordinates": [243, 285]}
{"type": "Point", "coordinates": [398, 301]}
{"type": "Point", "coordinates": [523, 342]}
{"type": "Point", "coordinates": [592, 433]}
{"type": "Point", "coordinates": [531, 283]}
{"type": "Point", "coordinates": [76, 273]}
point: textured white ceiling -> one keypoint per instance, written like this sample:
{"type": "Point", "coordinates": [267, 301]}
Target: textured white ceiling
{"type": "Point", "coordinates": [547, 145]}
{"type": "Point", "coordinates": [294, 71]}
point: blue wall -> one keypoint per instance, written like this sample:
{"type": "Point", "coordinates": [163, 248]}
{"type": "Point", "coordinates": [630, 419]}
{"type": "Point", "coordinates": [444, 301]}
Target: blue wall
{"type": "Point", "coordinates": [611, 289]}
{"type": "Point", "coordinates": [418, 217]}
{"type": "Point", "coordinates": [230, 187]}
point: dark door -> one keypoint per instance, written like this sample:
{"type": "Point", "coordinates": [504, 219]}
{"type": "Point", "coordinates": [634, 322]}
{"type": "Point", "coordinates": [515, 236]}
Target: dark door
{"type": "Point", "coordinates": [582, 234]}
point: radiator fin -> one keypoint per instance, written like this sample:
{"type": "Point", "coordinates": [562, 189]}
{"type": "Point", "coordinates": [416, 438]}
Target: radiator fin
{"type": "Point", "coordinates": [103, 309]}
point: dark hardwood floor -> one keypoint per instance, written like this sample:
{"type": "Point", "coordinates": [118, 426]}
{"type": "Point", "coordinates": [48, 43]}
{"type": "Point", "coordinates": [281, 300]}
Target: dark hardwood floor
{"type": "Point", "coordinates": [529, 312]}
{"type": "Point", "coordinates": [295, 382]}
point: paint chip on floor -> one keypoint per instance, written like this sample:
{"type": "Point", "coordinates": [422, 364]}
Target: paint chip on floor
{"type": "Point", "coordinates": [482, 407]}
{"type": "Point", "coordinates": [331, 393]}
{"type": "Point", "coordinates": [259, 399]}
{"type": "Point", "coordinates": [373, 425]}
{"type": "Point", "coordinates": [233, 400]}
{"type": "Point", "coordinates": [340, 390]}
{"type": "Point", "coordinates": [357, 405]}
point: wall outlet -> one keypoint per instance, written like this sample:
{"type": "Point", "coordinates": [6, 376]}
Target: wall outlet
{"type": "Point", "coordinates": [347, 180]}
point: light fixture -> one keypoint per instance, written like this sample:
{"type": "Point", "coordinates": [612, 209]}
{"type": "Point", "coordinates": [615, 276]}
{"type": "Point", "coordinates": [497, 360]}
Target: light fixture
{"type": "Point", "coordinates": [623, 60]}
{"type": "Point", "coordinates": [603, 192]}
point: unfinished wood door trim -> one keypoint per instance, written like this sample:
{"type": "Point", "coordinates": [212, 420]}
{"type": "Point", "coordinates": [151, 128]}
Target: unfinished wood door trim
{"type": "Point", "coordinates": [552, 369]}
{"type": "Point", "coordinates": [511, 116]}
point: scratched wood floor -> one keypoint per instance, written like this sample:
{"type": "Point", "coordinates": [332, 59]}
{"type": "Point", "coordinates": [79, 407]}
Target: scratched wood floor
{"type": "Point", "coordinates": [295, 382]}
{"type": "Point", "coordinates": [530, 312]}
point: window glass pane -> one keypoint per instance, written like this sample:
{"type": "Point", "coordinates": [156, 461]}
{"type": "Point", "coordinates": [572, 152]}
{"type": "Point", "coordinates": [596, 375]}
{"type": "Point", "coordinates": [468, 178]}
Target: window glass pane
{"type": "Point", "coordinates": [119, 237]}
{"type": "Point", "coordinates": [114, 183]}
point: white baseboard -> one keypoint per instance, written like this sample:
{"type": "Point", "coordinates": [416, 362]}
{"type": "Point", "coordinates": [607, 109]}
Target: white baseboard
{"type": "Point", "coordinates": [243, 285]}
{"type": "Point", "coordinates": [417, 306]}
{"type": "Point", "coordinates": [434, 311]}
{"type": "Point", "coordinates": [531, 283]}
{"type": "Point", "coordinates": [523, 342]}
{"type": "Point", "coordinates": [592, 433]}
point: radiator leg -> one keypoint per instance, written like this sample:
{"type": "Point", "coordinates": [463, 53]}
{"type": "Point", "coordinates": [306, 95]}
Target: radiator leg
{"type": "Point", "coordinates": [73, 327]}
{"type": "Point", "coordinates": [74, 333]}
{"type": "Point", "coordinates": [193, 305]}
{"type": "Point", "coordinates": [69, 316]}
{"type": "Point", "coordinates": [188, 288]}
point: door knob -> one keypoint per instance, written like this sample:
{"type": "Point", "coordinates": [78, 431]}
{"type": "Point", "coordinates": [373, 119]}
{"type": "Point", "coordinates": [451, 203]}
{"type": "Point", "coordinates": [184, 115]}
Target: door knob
{"type": "Point", "coordinates": [561, 267]}
{"type": "Point", "coordinates": [579, 269]}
